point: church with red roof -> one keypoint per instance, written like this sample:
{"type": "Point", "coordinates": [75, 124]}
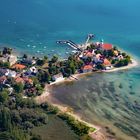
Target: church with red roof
{"type": "Point", "coordinates": [107, 46]}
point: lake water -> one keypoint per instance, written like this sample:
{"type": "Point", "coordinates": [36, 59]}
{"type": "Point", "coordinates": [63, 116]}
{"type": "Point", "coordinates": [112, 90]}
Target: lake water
{"type": "Point", "coordinates": [113, 99]}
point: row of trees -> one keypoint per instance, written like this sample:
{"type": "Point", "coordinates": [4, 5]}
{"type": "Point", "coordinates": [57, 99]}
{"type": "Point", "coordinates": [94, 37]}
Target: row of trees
{"type": "Point", "coordinates": [123, 62]}
{"type": "Point", "coordinates": [78, 127]}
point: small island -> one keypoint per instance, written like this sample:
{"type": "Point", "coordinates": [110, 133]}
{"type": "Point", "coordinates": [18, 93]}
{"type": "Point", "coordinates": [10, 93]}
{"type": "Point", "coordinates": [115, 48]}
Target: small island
{"type": "Point", "coordinates": [24, 83]}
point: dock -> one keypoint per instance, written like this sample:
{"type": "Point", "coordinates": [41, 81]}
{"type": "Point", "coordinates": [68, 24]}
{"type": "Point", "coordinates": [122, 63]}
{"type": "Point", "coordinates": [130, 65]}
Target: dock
{"type": "Point", "coordinates": [74, 45]}
{"type": "Point", "coordinates": [69, 43]}
{"type": "Point", "coordinates": [89, 37]}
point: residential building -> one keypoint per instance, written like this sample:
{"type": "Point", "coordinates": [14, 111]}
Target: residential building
{"type": "Point", "coordinates": [58, 77]}
{"type": "Point", "coordinates": [18, 66]}
{"type": "Point", "coordinates": [106, 46]}
{"type": "Point", "coordinates": [10, 73]}
{"type": "Point", "coordinates": [87, 68]}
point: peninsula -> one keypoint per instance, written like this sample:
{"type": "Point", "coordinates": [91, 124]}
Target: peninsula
{"type": "Point", "coordinates": [24, 78]}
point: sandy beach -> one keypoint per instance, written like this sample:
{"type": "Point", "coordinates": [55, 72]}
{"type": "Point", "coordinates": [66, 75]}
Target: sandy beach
{"type": "Point", "coordinates": [131, 65]}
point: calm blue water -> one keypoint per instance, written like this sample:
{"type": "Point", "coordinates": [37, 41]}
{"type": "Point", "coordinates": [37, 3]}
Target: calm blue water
{"type": "Point", "coordinates": [35, 25]}
{"type": "Point", "coordinates": [39, 23]}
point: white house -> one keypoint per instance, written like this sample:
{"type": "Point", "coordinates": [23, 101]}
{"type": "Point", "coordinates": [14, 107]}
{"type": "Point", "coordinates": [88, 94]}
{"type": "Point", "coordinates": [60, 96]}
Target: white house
{"type": "Point", "coordinates": [10, 73]}
{"type": "Point", "coordinates": [9, 58]}
{"type": "Point", "coordinates": [10, 89]}
{"type": "Point", "coordinates": [120, 57]}
{"type": "Point", "coordinates": [58, 77]}
{"type": "Point", "coordinates": [29, 61]}
{"type": "Point", "coordinates": [12, 59]}
{"type": "Point", "coordinates": [32, 70]}
{"type": "Point", "coordinates": [96, 58]}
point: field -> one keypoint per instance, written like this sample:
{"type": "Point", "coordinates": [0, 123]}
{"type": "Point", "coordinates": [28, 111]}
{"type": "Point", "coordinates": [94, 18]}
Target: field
{"type": "Point", "coordinates": [56, 129]}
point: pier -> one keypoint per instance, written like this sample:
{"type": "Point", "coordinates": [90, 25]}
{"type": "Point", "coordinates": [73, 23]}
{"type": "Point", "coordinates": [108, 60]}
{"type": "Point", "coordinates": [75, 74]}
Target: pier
{"type": "Point", "coordinates": [89, 37]}
{"type": "Point", "coordinates": [74, 45]}
{"type": "Point", "coordinates": [70, 43]}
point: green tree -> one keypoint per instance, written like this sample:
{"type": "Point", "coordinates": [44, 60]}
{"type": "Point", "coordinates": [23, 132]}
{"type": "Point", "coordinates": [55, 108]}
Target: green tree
{"type": "Point", "coordinates": [80, 64]}
{"type": "Point", "coordinates": [54, 59]}
{"type": "Point", "coordinates": [7, 51]}
{"type": "Point", "coordinates": [25, 56]}
{"type": "Point", "coordinates": [18, 87]}
{"type": "Point", "coordinates": [5, 136]}
{"type": "Point", "coordinates": [45, 58]}
{"type": "Point", "coordinates": [123, 62]}
{"type": "Point", "coordinates": [17, 133]}
{"type": "Point", "coordinates": [5, 119]}
{"type": "Point", "coordinates": [16, 116]}
{"type": "Point", "coordinates": [40, 62]}
{"type": "Point", "coordinates": [43, 76]}
{"type": "Point", "coordinates": [68, 72]}
{"type": "Point", "coordinates": [37, 137]}
{"type": "Point", "coordinates": [100, 66]}
{"type": "Point", "coordinates": [6, 65]}
{"type": "Point", "coordinates": [72, 67]}
{"type": "Point", "coordinates": [53, 70]}
{"type": "Point", "coordinates": [3, 96]}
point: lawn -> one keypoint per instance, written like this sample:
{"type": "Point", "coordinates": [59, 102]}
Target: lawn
{"type": "Point", "coordinates": [56, 129]}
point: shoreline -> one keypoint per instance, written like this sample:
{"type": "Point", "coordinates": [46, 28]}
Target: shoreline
{"type": "Point", "coordinates": [77, 76]}
{"type": "Point", "coordinates": [65, 109]}
{"type": "Point", "coordinates": [96, 134]}
{"type": "Point", "coordinates": [129, 66]}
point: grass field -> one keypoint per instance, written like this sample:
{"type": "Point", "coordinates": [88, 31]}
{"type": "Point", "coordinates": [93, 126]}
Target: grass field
{"type": "Point", "coordinates": [56, 129]}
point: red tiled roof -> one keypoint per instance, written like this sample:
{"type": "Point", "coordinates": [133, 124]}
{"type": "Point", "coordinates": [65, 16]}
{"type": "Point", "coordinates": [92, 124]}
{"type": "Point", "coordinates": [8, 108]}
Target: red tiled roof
{"type": "Point", "coordinates": [89, 54]}
{"type": "Point", "coordinates": [98, 55]}
{"type": "Point", "coordinates": [2, 79]}
{"type": "Point", "coordinates": [23, 80]}
{"type": "Point", "coordinates": [19, 66]}
{"type": "Point", "coordinates": [107, 46]}
{"type": "Point", "coordinates": [26, 79]}
{"type": "Point", "coordinates": [87, 67]}
{"type": "Point", "coordinates": [107, 62]}
{"type": "Point", "coordinates": [19, 80]}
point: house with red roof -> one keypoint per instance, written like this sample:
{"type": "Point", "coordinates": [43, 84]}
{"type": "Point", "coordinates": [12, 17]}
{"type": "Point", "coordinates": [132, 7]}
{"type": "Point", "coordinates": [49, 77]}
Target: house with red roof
{"type": "Point", "coordinates": [87, 68]}
{"type": "Point", "coordinates": [19, 80]}
{"type": "Point", "coordinates": [89, 54]}
{"type": "Point", "coordinates": [107, 62]}
{"type": "Point", "coordinates": [18, 66]}
{"type": "Point", "coordinates": [24, 80]}
{"type": "Point", "coordinates": [107, 46]}
{"type": "Point", "coordinates": [3, 80]}
{"type": "Point", "coordinates": [28, 80]}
